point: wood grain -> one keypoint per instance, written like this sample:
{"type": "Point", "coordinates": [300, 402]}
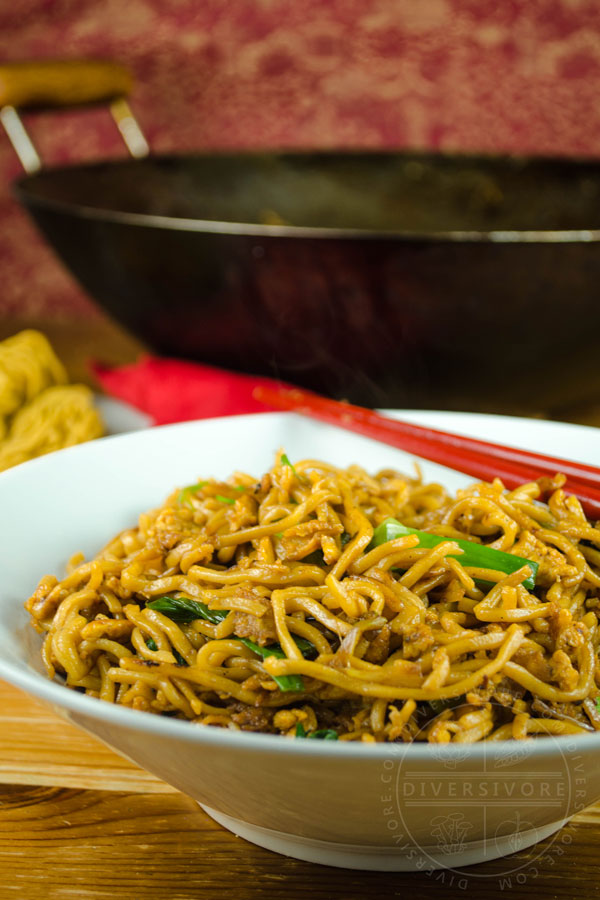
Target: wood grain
{"type": "Point", "coordinates": [39, 747]}
{"type": "Point", "coordinates": [77, 820]}
{"type": "Point", "coordinates": [59, 844]}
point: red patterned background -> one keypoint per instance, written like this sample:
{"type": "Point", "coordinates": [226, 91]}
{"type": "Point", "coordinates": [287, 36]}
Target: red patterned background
{"type": "Point", "coordinates": [513, 75]}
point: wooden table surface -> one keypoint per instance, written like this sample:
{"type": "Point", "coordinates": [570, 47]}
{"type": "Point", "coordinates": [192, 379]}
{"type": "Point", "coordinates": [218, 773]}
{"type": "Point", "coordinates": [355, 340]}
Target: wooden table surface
{"type": "Point", "coordinates": [78, 821]}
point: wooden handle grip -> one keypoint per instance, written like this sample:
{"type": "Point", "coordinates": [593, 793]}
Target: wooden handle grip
{"type": "Point", "coordinates": [52, 83]}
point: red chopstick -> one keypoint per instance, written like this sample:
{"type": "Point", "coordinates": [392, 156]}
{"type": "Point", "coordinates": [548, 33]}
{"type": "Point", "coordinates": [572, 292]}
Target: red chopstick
{"type": "Point", "coordinates": [482, 459]}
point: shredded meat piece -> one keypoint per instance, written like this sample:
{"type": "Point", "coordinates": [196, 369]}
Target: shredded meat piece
{"type": "Point", "coordinates": [286, 719]}
{"type": "Point", "coordinates": [558, 620]}
{"type": "Point", "coordinates": [535, 662]}
{"type": "Point", "coordinates": [572, 638]}
{"type": "Point", "coordinates": [169, 529]}
{"type": "Point", "coordinates": [379, 648]}
{"type": "Point", "coordinates": [38, 604]}
{"type": "Point", "coordinates": [251, 718]}
{"type": "Point", "coordinates": [300, 540]}
{"type": "Point", "coordinates": [262, 631]}
{"type": "Point", "coordinates": [506, 692]}
{"type": "Point", "coordinates": [417, 641]}
{"type": "Point", "coordinates": [554, 567]}
{"type": "Point", "coordinates": [563, 672]}
{"type": "Point", "coordinates": [340, 717]}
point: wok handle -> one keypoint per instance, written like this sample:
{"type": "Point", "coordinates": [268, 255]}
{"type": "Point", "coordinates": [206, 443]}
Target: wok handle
{"type": "Point", "coordinates": [47, 84]}
{"type": "Point", "coordinates": [62, 83]}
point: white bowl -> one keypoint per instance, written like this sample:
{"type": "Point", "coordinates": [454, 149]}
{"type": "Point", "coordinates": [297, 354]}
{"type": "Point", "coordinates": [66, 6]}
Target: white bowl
{"type": "Point", "coordinates": [353, 805]}
{"type": "Point", "coordinates": [120, 417]}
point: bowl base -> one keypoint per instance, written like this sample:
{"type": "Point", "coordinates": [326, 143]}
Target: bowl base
{"type": "Point", "coordinates": [380, 859]}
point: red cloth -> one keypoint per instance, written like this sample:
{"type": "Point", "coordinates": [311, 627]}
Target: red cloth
{"type": "Point", "coordinates": [172, 390]}
{"type": "Point", "coordinates": [494, 75]}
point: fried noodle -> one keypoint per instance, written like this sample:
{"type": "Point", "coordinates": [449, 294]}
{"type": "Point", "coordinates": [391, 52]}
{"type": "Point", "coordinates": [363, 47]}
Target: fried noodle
{"type": "Point", "coordinates": [310, 629]}
{"type": "Point", "coordinates": [39, 412]}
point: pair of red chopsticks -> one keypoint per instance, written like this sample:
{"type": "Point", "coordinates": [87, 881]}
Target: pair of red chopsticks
{"type": "Point", "coordinates": [482, 459]}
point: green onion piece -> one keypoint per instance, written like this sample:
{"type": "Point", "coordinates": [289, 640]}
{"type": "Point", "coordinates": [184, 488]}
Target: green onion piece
{"type": "Point", "coordinates": [315, 558]}
{"type": "Point", "coordinates": [151, 645]}
{"type": "Point", "coordinates": [183, 609]}
{"type": "Point", "coordinates": [284, 682]}
{"type": "Point", "coordinates": [223, 499]}
{"type": "Point", "coordinates": [184, 495]}
{"type": "Point", "coordinates": [323, 734]}
{"type": "Point", "coordinates": [306, 648]}
{"type": "Point", "coordinates": [476, 555]}
{"type": "Point", "coordinates": [598, 704]}
{"type": "Point", "coordinates": [239, 487]}
{"type": "Point", "coordinates": [285, 461]}
{"type": "Point", "coordinates": [345, 538]}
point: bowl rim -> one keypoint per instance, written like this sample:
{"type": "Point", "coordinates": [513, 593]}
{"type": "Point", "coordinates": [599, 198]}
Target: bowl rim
{"type": "Point", "coordinates": [58, 695]}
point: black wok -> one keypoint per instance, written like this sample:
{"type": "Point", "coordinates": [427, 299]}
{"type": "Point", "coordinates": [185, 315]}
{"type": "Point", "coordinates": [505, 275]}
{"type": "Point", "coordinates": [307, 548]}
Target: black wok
{"type": "Point", "coordinates": [387, 278]}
